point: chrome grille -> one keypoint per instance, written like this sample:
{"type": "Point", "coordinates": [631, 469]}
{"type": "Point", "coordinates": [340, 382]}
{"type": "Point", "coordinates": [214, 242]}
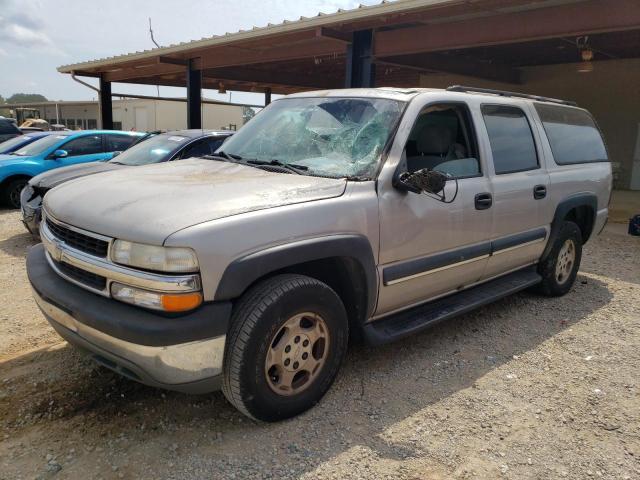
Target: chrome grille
{"type": "Point", "coordinates": [77, 240]}
{"type": "Point", "coordinates": [79, 275]}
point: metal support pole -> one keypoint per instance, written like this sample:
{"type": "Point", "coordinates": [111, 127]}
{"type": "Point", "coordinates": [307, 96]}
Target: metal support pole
{"type": "Point", "coordinates": [106, 107]}
{"type": "Point", "coordinates": [194, 97]}
{"type": "Point", "coordinates": [360, 69]}
{"type": "Point", "coordinates": [267, 96]}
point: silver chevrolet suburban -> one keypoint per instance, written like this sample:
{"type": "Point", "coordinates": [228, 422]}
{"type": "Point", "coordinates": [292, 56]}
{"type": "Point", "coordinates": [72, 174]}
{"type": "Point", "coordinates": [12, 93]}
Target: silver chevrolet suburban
{"type": "Point", "coordinates": [364, 214]}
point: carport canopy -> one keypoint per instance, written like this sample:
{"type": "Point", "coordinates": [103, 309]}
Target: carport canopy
{"type": "Point", "coordinates": [389, 44]}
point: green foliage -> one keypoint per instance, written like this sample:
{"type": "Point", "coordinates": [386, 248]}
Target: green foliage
{"type": "Point", "coordinates": [247, 114]}
{"type": "Point", "coordinates": [26, 98]}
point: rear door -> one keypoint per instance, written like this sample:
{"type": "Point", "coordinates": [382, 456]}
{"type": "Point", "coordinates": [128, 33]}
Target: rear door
{"type": "Point", "coordinates": [519, 181]}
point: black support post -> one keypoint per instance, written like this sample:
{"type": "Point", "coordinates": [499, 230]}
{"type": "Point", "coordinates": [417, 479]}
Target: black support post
{"type": "Point", "coordinates": [267, 96]}
{"type": "Point", "coordinates": [194, 97]}
{"type": "Point", "coordinates": [361, 71]}
{"type": "Point", "coordinates": [106, 110]}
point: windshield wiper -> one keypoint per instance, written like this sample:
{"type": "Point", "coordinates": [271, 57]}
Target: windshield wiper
{"type": "Point", "coordinates": [291, 167]}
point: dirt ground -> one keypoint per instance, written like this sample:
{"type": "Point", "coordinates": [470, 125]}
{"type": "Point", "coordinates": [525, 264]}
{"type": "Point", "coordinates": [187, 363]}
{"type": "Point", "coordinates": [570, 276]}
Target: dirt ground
{"type": "Point", "coordinates": [527, 388]}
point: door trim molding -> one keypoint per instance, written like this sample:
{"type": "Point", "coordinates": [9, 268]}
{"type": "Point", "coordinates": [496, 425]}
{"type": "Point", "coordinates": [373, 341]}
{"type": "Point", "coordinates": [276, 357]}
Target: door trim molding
{"type": "Point", "coordinates": [419, 267]}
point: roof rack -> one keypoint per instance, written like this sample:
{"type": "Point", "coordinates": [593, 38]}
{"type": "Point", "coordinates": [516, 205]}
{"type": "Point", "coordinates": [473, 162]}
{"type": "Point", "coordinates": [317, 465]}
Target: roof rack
{"type": "Point", "coordinates": [504, 93]}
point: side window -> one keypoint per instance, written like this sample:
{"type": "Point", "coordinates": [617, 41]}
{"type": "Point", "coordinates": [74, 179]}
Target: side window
{"type": "Point", "coordinates": [8, 127]}
{"type": "Point", "coordinates": [119, 143]}
{"type": "Point", "coordinates": [512, 144]}
{"type": "Point", "coordinates": [573, 135]}
{"type": "Point", "coordinates": [215, 143]}
{"type": "Point", "coordinates": [443, 139]}
{"type": "Point", "coordinates": [197, 149]}
{"type": "Point", "coordinates": [86, 145]}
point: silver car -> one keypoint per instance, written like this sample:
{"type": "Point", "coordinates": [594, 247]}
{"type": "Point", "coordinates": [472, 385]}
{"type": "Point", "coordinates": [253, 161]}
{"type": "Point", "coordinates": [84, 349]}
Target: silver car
{"type": "Point", "coordinates": [365, 214]}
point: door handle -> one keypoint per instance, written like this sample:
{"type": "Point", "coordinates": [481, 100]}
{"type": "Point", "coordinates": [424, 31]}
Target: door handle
{"type": "Point", "coordinates": [483, 201]}
{"type": "Point", "coordinates": [539, 191]}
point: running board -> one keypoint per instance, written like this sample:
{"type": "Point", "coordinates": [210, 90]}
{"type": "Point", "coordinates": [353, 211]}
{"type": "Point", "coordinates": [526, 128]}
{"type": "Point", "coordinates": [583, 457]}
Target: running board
{"type": "Point", "coordinates": [419, 318]}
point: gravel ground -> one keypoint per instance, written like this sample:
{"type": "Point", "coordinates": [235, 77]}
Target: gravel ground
{"type": "Point", "coordinates": [527, 388]}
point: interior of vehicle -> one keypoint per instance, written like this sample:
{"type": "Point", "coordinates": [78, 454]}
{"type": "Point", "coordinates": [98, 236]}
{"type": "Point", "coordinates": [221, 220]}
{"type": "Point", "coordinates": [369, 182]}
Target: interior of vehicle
{"type": "Point", "coordinates": [442, 140]}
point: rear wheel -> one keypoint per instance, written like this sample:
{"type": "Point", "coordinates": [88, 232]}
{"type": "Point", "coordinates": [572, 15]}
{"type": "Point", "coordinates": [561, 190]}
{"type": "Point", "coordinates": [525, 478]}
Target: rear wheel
{"type": "Point", "coordinates": [286, 342]}
{"type": "Point", "coordinates": [11, 192]}
{"type": "Point", "coordinates": [560, 268]}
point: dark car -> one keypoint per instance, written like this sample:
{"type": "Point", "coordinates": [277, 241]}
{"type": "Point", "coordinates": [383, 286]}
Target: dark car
{"type": "Point", "coordinates": [8, 129]}
{"type": "Point", "coordinates": [155, 148]}
{"type": "Point", "coordinates": [16, 143]}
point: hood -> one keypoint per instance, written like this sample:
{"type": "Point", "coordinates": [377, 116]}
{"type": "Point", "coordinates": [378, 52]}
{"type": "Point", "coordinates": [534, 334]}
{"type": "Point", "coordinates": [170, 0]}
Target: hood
{"type": "Point", "coordinates": [147, 204]}
{"type": "Point", "coordinates": [57, 176]}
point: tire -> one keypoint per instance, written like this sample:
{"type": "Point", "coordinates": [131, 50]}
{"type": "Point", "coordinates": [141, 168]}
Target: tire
{"type": "Point", "coordinates": [11, 192]}
{"type": "Point", "coordinates": [258, 329]}
{"type": "Point", "coordinates": [557, 281]}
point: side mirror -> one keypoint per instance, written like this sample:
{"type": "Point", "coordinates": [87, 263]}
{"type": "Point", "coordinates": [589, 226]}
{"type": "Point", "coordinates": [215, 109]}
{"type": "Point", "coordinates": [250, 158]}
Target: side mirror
{"type": "Point", "coordinates": [115, 154]}
{"type": "Point", "coordinates": [60, 154]}
{"type": "Point", "coordinates": [423, 181]}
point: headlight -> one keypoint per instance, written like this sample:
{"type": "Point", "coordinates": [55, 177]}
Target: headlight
{"type": "Point", "coordinates": [150, 257]}
{"type": "Point", "coordinates": [167, 302]}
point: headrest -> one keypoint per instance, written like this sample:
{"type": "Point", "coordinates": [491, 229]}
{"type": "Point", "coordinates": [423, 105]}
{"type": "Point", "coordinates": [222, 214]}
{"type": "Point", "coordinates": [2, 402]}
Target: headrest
{"type": "Point", "coordinates": [434, 140]}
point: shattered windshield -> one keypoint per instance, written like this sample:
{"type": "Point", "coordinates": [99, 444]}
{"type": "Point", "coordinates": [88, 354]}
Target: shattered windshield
{"type": "Point", "coordinates": [336, 137]}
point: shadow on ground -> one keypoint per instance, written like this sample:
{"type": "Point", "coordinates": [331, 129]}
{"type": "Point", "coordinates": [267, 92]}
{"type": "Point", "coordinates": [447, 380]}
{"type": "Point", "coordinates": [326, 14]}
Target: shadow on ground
{"type": "Point", "coordinates": [377, 388]}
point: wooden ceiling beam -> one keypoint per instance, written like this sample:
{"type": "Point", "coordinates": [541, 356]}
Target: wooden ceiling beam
{"type": "Point", "coordinates": [131, 73]}
{"type": "Point", "coordinates": [273, 76]}
{"type": "Point", "coordinates": [451, 64]}
{"type": "Point", "coordinates": [229, 57]}
{"type": "Point", "coordinates": [582, 18]}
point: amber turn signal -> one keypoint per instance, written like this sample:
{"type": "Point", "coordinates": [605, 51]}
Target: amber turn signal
{"type": "Point", "coordinates": [181, 302]}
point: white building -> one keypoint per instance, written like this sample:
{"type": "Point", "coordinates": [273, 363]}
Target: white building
{"type": "Point", "coordinates": [141, 114]}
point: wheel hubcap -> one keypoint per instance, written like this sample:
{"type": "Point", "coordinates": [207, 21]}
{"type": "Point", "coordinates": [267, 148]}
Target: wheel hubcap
{"type": "Point", "coordinates": [297, 353]}
{"type": "Point", "coordinates": [565, 262]}
{"type": "Point", "coordinates": [14, 195]}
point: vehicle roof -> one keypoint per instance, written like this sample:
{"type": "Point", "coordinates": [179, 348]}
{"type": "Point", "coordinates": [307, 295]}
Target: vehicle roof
{"type": "Point", "coordinates": [35, 133]}
{"type": "Point", "coordinates": [406, 94]}
{"type": "Point", "coordinates": [197, 132]}
{"type": "Point", "coordinates": [79, 133]}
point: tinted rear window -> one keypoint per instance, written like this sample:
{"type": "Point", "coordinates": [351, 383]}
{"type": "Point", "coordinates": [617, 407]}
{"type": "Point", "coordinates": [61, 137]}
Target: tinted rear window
{"type": "Point", "coordinates": [7, 126]}
{"type": "Point", "coordinates": [573, 135]}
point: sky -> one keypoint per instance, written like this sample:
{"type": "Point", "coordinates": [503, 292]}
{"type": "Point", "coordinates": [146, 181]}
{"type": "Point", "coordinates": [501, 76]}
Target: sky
{"type": "Point", "coordinates": [37, 36]}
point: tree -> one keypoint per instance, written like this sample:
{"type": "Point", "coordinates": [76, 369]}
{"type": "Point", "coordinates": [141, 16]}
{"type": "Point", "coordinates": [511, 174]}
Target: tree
{"type": "Point", "coordinates": [247, 114]}
{"type": "Point", "coordinates": [2, 100]}
{"type": "Point", "coordinates": [26, 98]}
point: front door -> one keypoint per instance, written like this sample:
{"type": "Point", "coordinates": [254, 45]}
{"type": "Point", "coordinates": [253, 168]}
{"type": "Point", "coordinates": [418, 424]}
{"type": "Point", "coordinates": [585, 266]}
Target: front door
{"type": "Point", "coordinates": [429, 248]}
{"type": "Point", "coordinates": [88, 148]}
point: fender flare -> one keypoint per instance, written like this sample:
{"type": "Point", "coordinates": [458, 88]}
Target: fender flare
{"type": "Point", "coordinates": [244, 271]}
{"type": "Point", "coordinates": [564, 207]}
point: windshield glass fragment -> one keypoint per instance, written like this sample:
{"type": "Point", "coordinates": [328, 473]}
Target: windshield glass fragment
{"type": "Point", "coordinates": [335, 137]}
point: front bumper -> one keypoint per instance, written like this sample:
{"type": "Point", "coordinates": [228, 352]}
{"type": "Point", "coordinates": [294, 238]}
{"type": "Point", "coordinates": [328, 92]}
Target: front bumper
{"type": "Point", "coordinates": [177, 353]}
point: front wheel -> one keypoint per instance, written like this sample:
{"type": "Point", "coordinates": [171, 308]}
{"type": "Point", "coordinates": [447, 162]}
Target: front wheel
{"type": "Point", "coordinates": [560, 268]}
{"type": "Point", "coordinates": [11, 192]}
{"type": "Point", "coordinates": [287, 339]}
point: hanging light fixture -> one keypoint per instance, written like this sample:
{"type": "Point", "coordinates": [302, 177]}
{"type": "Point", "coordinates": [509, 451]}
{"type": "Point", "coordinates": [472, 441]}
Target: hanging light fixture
{"type": "Point", "coordinates": [586, 55]}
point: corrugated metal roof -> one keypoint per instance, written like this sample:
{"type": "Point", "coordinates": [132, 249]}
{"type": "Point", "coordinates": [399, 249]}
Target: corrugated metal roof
{"type": "Point", "coordinates": [287, 26]}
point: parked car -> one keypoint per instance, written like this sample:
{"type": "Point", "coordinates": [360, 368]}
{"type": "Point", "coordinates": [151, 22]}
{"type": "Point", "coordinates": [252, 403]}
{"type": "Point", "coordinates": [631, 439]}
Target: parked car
{"type": "Point", "coordinates": [8, 129]}
{"type": "Point", "coordinates": [55, 151]}
{"type": "Point", "coordinates": [16, 143]}
{"type": "Point", "coordinates": [366, 213]}
{"type": "Point", "coordinates": [163, 147]}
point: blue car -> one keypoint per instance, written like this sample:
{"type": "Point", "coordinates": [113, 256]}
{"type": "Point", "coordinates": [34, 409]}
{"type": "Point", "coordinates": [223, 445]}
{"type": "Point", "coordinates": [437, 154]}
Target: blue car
{"type": "Point", "coordinates": [55, 151]}
{"type": "Point", "coordinates": [16, 143]}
